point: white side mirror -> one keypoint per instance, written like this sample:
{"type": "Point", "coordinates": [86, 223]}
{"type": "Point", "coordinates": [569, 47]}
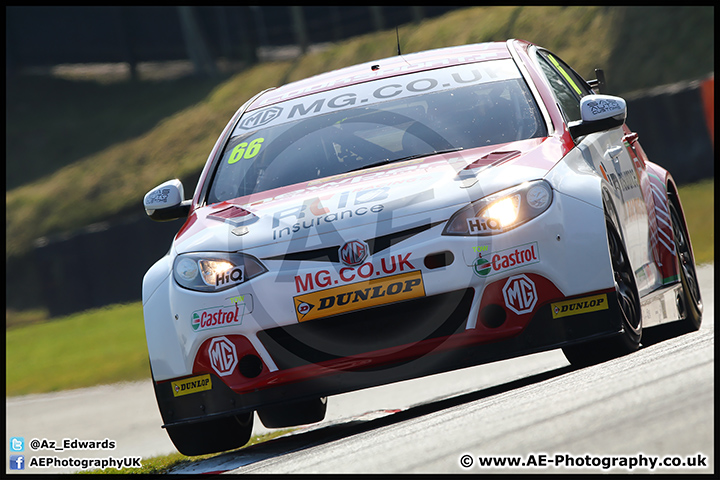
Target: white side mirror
{"type": "Point", "coordinates": [166, 201]}
{"type": "Point", "coordinates": [600, 107]}
{"type": "Point", "coordinates": [599, 113]}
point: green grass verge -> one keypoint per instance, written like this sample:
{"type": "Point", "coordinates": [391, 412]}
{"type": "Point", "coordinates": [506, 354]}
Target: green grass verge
{"type": "Point", "coordinates": [108, 345]}
{"type": "Point", "coordinates": [95, 347]}
{"type": "Point", "coordinates": [107, 183]}
{"type": "Point", "coordinates": [48, 115]}
{"type": "Point", "coordinates": [698, 201]}
{"type": "Point", "coordinates": [166, 463]}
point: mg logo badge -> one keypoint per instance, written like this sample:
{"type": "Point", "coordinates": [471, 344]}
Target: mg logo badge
{"type": "Point", "coordinates": [223, 356]}
{"type": "Point", "coordinates": [519, 294]}
{"type": "Point", "coordinates": [258, 119]}
{"type": "Point", "coordinates": [354, 253]}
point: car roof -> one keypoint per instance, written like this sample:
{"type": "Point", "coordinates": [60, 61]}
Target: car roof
{"type": "Point", "coordinates": [384, 68]}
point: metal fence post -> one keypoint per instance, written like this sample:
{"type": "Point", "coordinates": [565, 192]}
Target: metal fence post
{"type": "Point", "coordinates": [300, 30]}
{"type": "Point", "coordinates": [378, 19]}
{"type": "Point", "coordinates": [195, 43]}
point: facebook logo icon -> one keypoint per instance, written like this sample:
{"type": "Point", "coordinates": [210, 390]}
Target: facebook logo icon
{"type": "Point", "coordinates": [17, 462]}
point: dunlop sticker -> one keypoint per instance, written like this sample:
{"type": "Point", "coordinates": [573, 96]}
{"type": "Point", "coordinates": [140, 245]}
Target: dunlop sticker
{"type": "Point", "coordinates": [579, 305]}
{"type": "Point", "coordinates": [191, 385]}
{"type": "Point", "coordinates": [378, 291]}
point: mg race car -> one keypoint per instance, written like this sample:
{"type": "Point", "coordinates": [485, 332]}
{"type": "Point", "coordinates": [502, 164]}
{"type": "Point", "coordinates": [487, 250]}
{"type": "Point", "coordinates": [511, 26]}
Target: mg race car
{"type": "Point", "coordinates": [402, 218]}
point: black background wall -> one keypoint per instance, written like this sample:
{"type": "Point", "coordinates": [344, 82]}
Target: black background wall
{"type": "Point", "coordinates": [47, 35]}
{"type": "Point", "coordinates": [672, 128]}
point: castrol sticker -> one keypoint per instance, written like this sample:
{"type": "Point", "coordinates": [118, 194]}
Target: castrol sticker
{"type": "Point", "coordinates": [493, 263]}
{"type": "Point", "coordinates": [230, 314]}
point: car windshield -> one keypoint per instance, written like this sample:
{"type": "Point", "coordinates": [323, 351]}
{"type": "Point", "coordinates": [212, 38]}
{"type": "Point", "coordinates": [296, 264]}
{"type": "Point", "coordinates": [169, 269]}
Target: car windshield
{"type": "Point", "coordinates": [377, 122]}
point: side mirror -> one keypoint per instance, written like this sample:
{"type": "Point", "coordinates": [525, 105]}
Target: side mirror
{"type": "Point", "coordinates": [166, 202]}
{"type": "Point", "coordinates": [599, 113]}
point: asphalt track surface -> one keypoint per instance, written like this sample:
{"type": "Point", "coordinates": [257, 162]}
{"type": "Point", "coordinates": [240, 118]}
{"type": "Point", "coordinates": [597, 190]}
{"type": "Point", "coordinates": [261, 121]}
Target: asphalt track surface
{"type": "Point", "coordinates": [657, 403]}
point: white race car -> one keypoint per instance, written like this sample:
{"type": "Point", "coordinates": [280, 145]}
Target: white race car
{"type": "Point", "coordinates": [401, 218]}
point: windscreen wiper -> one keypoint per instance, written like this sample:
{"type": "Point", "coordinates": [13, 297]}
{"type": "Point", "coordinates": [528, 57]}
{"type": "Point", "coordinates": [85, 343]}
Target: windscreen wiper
{"type": "Point", "coordinates": [402, 159]}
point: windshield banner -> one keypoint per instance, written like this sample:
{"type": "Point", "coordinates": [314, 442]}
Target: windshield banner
{"type": "Point", "coordinates": [377, 91]}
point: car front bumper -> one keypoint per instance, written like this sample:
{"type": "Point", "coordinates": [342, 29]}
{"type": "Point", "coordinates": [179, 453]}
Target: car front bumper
{"type": "Point", "coordinates": [427, 357]}
{"type": "Point", "coordinates": [482, 299]}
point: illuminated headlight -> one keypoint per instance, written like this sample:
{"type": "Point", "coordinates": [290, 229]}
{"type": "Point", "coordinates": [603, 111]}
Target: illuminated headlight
{"type": "Point", "coordinates": [502, 211]}
{"type": "Point", "coordinates": [214, 271]}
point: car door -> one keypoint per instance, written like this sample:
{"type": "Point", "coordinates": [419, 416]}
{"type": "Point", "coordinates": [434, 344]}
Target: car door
{"type": "Point", "coordinates": [614, 158]}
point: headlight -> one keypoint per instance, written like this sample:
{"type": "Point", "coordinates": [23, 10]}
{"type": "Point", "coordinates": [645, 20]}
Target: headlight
{"type": "Point", "coordinates": [502, 211]}
{"type": "Point", "coordinates": [214, 271]}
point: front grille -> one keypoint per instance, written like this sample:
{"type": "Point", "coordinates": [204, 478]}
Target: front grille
{"type": "Point", "coordinates": [368, 330]}
{"type": "Point", "coordinates": [376, 245]}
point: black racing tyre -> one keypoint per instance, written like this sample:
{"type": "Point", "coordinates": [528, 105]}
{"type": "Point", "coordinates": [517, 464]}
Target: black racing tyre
{"type": "Point", "coordinates": [293, 414]}
{"type": "Point", "coordinates": [598, 351]}
{"type": "Point", "coordinates": [689, 302]}
{"type": "Point", "coordinates": [227, 433]}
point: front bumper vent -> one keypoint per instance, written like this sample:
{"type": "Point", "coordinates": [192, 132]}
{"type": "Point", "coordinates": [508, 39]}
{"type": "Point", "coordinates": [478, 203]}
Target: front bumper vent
{"type": "Point", "coordinates": [365, 331]}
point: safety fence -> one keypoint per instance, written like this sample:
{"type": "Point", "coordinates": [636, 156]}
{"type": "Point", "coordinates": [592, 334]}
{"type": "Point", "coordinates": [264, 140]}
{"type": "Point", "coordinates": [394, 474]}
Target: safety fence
{"type": "Point", "coordinates": [675, 125]}
{"type": "Point", "coordinates": [44, 36]}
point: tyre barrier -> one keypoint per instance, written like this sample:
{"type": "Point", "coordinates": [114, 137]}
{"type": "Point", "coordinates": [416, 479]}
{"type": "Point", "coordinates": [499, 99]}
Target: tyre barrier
{"type": "Point", "coordinates": [675, 125]}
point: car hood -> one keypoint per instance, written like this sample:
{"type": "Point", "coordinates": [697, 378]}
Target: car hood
{"type": "Point", "coordinates": [366, 203]}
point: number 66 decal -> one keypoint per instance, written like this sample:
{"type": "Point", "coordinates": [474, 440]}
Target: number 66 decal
{"type": "Point", "coordinates": [245, 150]}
